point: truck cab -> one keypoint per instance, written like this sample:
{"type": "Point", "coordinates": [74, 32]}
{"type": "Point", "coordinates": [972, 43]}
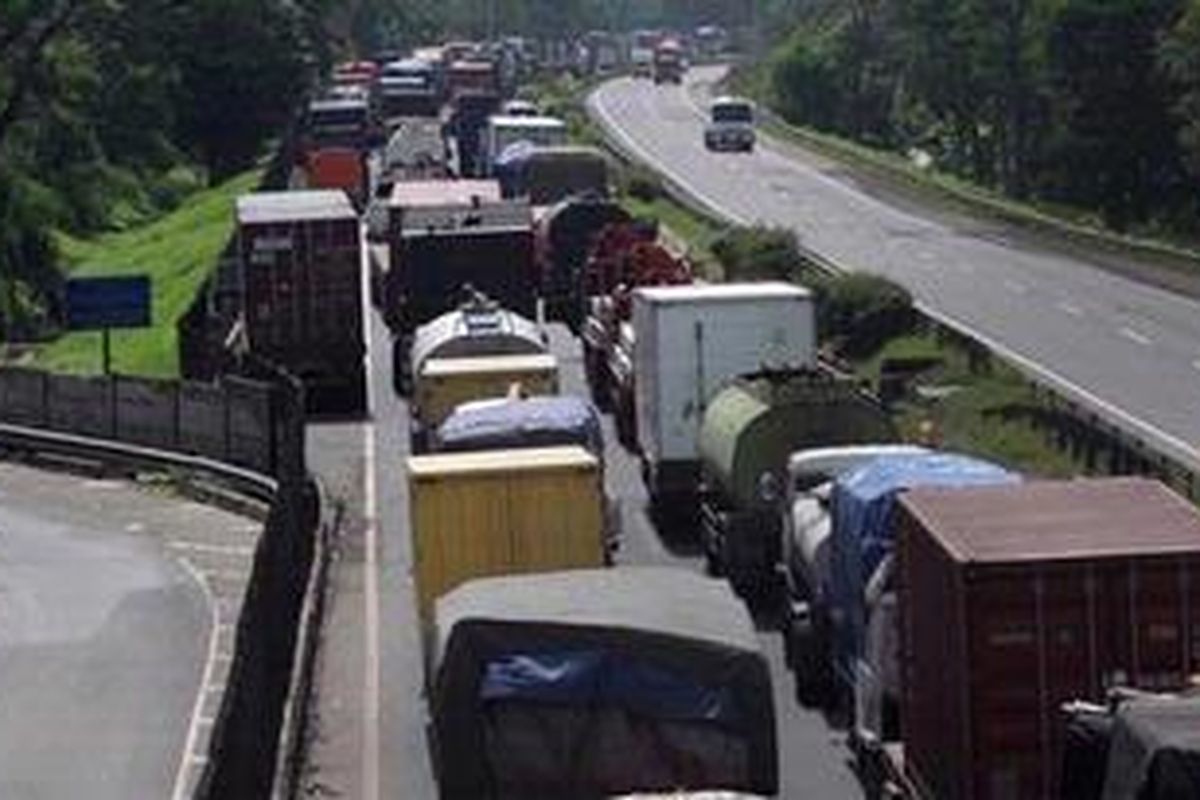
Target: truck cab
{"type": "Point", "coordinates": [730, 125]}
{"type": "Point", "coordinates": [668, 62]}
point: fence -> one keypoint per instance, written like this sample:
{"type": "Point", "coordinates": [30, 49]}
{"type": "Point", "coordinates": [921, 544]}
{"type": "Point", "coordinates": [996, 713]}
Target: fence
{"type": "Point", "coordinates": [247, 432]}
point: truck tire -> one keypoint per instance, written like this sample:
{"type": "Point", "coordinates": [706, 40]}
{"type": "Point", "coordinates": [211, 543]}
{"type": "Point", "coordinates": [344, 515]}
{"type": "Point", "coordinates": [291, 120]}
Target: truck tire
{"type": "Point", "coordinates": [808, 653]}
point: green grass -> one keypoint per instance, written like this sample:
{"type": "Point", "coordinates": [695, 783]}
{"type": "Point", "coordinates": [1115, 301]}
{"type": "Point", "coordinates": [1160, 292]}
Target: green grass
{"type": "Point", "coordinates": [989, 412]}
{"type": "Point", "coordinates": [178, 251]}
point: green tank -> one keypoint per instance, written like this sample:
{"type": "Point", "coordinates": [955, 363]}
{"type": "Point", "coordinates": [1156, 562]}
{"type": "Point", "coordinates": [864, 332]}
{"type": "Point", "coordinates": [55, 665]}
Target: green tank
{"type": "Point", "coordinates": [750, 428]}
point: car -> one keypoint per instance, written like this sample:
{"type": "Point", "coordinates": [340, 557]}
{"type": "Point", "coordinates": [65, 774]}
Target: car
{"type": "Point", "coordinates": [730, 125]}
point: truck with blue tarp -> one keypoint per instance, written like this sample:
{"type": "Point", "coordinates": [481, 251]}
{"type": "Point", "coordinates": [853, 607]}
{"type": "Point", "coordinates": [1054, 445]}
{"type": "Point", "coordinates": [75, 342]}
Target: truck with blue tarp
{"type": "Point", "coordinates": [854, 628]}
{"type": "Point", "coordinates": [594, 683]}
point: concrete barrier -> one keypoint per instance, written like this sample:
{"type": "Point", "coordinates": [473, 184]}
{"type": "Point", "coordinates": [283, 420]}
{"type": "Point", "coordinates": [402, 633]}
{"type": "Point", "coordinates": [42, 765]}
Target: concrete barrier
{"type": "Point", "coordinates": [82, 405]}
{"type": "Point", "coordinates": [147, 412]}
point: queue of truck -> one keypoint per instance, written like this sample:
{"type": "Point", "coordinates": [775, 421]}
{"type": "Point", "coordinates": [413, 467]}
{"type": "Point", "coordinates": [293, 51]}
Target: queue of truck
{"type": "Point", "coordinates": [947, 607]}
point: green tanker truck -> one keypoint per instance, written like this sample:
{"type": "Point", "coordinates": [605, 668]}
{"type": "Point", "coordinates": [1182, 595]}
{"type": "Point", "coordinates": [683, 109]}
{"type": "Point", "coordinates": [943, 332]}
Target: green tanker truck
{"type": "Point", "coordinates": [749, 430]}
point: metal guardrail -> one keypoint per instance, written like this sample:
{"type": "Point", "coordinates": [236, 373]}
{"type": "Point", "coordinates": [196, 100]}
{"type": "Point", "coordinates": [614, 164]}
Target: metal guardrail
{"type": "Point", "coordinates": [136, 457]}
{"type": "Point", "coordinates": [1177, 461]}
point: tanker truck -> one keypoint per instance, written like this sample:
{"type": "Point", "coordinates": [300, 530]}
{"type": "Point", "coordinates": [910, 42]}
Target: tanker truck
{"type": "Point", "coordinates": [750, 428]}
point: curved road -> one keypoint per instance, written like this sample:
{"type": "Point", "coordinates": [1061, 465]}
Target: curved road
{"type": "Point", "coordinates": [1133, 347]}
{"type": "Point", "coordinates": [105, 637]}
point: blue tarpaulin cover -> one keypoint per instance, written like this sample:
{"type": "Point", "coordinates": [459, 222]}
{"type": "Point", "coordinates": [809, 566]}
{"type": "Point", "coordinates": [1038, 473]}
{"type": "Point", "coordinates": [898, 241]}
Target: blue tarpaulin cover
{"type": "Point", "coordinates": [862, 531]}
{"type": "Point", "coordinates": [593, 678]}
{"type": "Point", "coordinates": [528, 422]}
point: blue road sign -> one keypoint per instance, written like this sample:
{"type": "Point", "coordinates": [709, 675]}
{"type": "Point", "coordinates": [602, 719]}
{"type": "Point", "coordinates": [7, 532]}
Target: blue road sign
{"type": "Point", "coordinates": [102, 303]}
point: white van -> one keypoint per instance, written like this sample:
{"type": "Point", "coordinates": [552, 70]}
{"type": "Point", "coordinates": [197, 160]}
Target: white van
{"type": "Point", "coordinates": [730, 125]}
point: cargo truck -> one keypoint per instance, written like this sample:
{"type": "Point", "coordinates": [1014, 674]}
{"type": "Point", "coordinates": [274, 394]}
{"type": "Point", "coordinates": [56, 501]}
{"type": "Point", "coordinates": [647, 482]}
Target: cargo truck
{"type": "Point", "coordinates": [594, 683]}
{"type": "Point", "coordinates": [442, 384]}
{"type": "Point", "coordinates": [1014, 599]}
{"type": "Point", "coordinates": [750, 429]}
{"type": "Point", "coordinates": [1136, 746]}
{"type": "Point", "coordinates": [340, 168]}
{"type": "Point", "coordinates": [856, 607]}
{"type": "Point", "coordinates": [478, 327]}
{"type": "Point", "coordinates": [301, 272]}
{"type": "Point", "coordinates": [438, 252]}
{"type": "Point", "coordinates": [563, 237]}
{"type": "Point", "coordinates": [340, 122]}
{"type": "Point", "coordinates": [668, 62]}
{"type": "Point", "coordinates": [505, 131]}
{"type": "Point", "coordinates": [500, 512]}
{"type": "Point", "coordinates": [806, 524]}
{"type": "Point", "coordinates": [690, 341]}
{"type": "Point", "coordinates": [548, 175]}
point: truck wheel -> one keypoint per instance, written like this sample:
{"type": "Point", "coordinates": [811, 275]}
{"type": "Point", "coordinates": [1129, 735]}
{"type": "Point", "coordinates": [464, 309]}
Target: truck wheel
{"type": "Point", "coordinates": [810, 661]}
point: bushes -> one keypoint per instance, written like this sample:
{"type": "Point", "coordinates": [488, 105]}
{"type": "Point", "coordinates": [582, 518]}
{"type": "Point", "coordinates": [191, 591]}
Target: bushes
{"type": "Point", "coordinates": [760, 253]}
{"type": "Point", "coordinates": [858, 313]}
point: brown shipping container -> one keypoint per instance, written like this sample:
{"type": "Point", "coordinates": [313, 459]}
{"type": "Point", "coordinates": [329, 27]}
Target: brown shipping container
{"type": "Point", "coordinates": [301, 277]}
{"type": "Point", "coordinates": [1014, 599]}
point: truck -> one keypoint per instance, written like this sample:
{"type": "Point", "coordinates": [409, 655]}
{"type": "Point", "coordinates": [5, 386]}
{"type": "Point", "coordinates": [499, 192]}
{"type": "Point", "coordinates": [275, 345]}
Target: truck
{"type": "Point", "coordinates": [668, 62]}
{"type": "Point", "coordinates": [691, 340]}
{"type": "Point", "coordinates": [505, 131]}
{"type": "Point", "coordinates": [805, 525]}
{"type": "Point", "coordinates": [438, 252]}
{"type": "Point", "coordinates": [338, 168]}
{"type": "Point", "coordinates": [513, 422]}
{"type": "Point", "coordinates": [563, 238]}
{"type": "Point", "coordinates": [594, 683]}
{"type": "Point", "coordinates": [750, 429]}
{"type": "Point", "coordinates": [443, 384]}
{"type": "Point", "coordinates": [472, 76]}
{"type": "Point", "coordinates": [339, 122]}
{"type": "Point", "coordinates": [641, 52]}
{"type": "Point", "coordinates": [408, 88]}
{"type": "Point", "coordinates": [854, 608]}
{"type": "Point", "coordinates": [730, 125]}
{"type": "Point", "coordinates": [1137, 745]}
{"type": "Point", "coordinates": [301, 264]}
{"type": "Point", "coordinates": [549, 175]}
{"type": "Point", "coordinates": [467, 126]}
{"type": "Point", "coordinates": [500, 512]}
{"type": "Point", "coordinates": [1014, 599]}
{"type": "Point", "coordinates": [478, 327]}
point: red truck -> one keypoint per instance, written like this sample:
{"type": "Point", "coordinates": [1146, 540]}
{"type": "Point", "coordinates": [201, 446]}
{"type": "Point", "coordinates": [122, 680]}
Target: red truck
{"type": "Point", "coordinates": [624, 256]}
{"type": "Point", "coordinates": [301, 268]}
{"type": "Point", "coordinates": [338, 168]}
{"type": "Point", "coordinates": [668, 62]}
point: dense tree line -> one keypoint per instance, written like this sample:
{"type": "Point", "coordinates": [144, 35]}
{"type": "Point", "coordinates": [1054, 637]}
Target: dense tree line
{"type": "Point", "coordinates": [113, 109]}
{"type": "Point", "coordinates": [1090, 103]}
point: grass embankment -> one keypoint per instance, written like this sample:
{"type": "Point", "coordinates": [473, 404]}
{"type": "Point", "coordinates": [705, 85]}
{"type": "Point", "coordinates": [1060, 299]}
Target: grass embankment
{"type": "Point", "coordinates": [178, 251]}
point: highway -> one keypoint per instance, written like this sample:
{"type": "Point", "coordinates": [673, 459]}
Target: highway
{"type": "Point", "coordinates": [370, 711]}
{"type": "Point", "coordinates": [1133, 347]}
{"type": "Point", "coordinates": [116, 614]}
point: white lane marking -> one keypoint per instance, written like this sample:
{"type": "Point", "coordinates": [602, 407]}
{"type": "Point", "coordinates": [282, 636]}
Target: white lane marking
{"type": "Point", "coordinates": [1073, 310]}
{"type": "Point", "coordinates": [189, 756]}
{"type": "Point", "coordinates": [213, 549]}
{"type": "Point", "coordinates": [1189, 451]}
{"type": "Point", "coordinates": [1016, 287]}
{"type": "Point", "coordinates": [1135, 336]}
{"type": "Point", "coordinates": [371, 715]}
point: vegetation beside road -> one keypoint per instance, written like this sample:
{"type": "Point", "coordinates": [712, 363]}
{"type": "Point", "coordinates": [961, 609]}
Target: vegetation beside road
{"type": "Point", "coordinates": [1081, 111]}
{"type": "Point", "coordinates": [178, 251]}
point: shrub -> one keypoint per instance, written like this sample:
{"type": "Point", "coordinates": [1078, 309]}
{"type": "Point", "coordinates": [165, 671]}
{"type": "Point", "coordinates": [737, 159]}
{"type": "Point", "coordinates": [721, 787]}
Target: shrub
{"type": "Point", "coordinates": [761, 253]}
{"type": "Point", "coordinates": [858, 312]}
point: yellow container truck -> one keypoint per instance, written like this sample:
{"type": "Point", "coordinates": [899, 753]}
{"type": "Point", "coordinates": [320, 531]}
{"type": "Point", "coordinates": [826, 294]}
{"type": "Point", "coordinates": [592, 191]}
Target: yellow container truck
{"type": "Point", "coordinates": [443, 384]}
{"type": "Point", "coordinates": [499, 512]}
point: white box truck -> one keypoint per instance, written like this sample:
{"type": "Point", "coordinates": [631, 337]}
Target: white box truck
{"type": "Point", "coordinates": [691, 340]}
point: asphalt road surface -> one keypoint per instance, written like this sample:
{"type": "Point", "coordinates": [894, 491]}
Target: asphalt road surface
{"type": "Point", "coordinates": [1134, 347]}
{"type": "Point", "coordinates": [116, 603]}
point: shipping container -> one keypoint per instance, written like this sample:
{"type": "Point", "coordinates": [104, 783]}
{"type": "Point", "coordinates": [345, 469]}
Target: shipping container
{"type": "Point", "coordinates": [339, 169]}
{"type": "Point", "coordinates": [501, 512]}
{"type": "Point", "coordinates": [444, 383]}
{"type": "Point", "coordinates": [1015, 599]}
{"type": "Point", "coordinates": [440, 252]}
{"type": "Point", "coordinates": [691, 340]}
{"type": "Point", "coordinates": [301, 287]}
